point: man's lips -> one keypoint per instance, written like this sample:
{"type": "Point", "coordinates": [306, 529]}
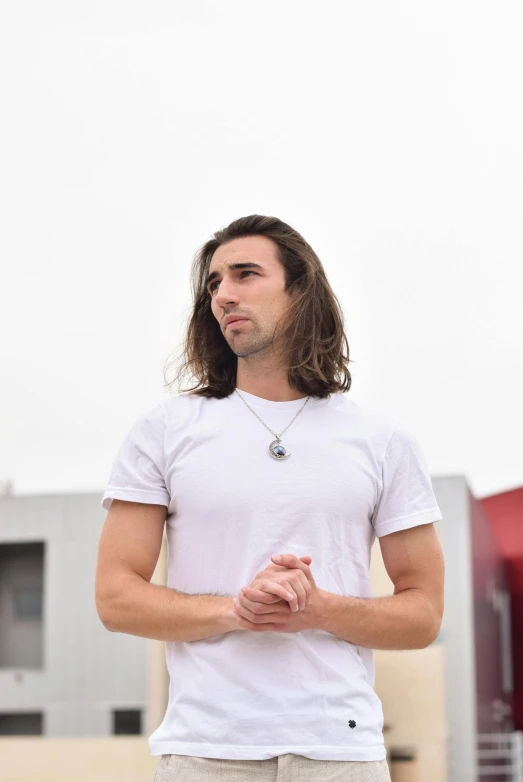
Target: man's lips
{"type": "Point", "coordinates": [237, 320]}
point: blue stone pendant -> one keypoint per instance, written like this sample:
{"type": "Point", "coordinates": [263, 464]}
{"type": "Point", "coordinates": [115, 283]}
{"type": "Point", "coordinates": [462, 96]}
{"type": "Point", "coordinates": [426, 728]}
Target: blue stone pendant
{"type": "Point", "coordinates": [278, 451]}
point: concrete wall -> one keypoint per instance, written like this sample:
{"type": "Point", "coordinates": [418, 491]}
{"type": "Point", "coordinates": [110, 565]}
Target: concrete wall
{"type": "Point", "coordinates": [458, 627]}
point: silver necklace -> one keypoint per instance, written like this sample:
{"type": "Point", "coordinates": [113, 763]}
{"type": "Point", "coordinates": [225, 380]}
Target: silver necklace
{"type": "Point", "coordinates": [275, 448]}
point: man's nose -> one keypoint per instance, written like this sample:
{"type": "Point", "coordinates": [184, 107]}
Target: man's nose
{"type": "Point", "coordinates": [226, 294]}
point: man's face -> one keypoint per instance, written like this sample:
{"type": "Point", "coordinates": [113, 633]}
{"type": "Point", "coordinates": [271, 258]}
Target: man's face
{"type": "Point", "coordinates": [256, 293]}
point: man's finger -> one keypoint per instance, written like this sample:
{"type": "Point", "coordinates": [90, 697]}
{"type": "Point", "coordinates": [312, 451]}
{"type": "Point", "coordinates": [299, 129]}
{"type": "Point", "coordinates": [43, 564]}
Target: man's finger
{"type": "Point", "coordinates": [261, 606]}
{"type": "Point", "coordinates": [292, 561]}
{"type": "Point", "coordinates": [306, 560]}
{"type": "Point", "coordinates": [275, 589]}
{"type": "Point", "coordinates": [262, 597]}
{"type": "Point", "coordinates": [258, 612]}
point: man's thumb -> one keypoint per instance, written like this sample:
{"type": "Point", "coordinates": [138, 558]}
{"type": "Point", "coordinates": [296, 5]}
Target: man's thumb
{"type": "Point", "coordinates": [306, 560]}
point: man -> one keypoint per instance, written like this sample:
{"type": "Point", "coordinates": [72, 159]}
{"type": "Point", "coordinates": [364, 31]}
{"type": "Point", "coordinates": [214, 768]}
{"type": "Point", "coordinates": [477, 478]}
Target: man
{"type": "Point", "coordinates": [270, 657]}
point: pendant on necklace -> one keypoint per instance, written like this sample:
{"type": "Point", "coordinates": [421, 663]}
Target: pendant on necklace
{"type": "Point", "coordinates": [278, 451]}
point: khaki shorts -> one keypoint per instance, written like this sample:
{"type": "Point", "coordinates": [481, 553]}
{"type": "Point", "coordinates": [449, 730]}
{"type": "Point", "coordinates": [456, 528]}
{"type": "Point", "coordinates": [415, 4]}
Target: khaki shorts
{"type": "Point", "coordinates": [284, 768]}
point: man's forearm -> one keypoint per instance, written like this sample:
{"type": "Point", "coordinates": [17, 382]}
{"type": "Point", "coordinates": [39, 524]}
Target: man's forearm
{"type": "Point", "coordinates": [406, 620]}
{"type": "Point", "coordinates": [153, 611]}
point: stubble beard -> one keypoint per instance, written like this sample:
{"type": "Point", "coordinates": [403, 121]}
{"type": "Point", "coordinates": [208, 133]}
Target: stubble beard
{"type": "Point", "coordinates": [243, 345]}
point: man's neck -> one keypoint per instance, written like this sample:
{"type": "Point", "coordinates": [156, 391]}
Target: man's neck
{"type": "Point", "coordinates": [272, 386]}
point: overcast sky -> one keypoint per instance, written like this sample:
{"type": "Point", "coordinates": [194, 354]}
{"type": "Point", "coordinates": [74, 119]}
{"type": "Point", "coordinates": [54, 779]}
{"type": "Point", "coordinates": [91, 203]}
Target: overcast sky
{"type": "Point", "coordinates": [388, 134]}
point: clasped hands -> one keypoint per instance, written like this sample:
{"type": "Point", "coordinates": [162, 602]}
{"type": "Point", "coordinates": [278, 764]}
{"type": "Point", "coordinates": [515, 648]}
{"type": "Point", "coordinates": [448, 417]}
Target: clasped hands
{"type": "Point", "coordinates": [281, 598]}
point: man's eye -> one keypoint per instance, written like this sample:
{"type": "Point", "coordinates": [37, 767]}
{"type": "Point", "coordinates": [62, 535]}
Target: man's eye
{"type": "Point", "coordinates": [211, 286]}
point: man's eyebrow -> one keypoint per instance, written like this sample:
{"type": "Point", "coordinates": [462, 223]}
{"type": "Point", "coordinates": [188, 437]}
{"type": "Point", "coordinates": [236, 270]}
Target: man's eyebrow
{"type": "Point", "coordinates": [247, 265]}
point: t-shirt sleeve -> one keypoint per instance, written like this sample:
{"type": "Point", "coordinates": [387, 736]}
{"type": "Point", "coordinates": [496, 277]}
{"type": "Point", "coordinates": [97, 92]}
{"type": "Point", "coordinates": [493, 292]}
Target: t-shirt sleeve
{"type": "Point", "coordinates": [137, 474]}
{"type": "Point", "coordinates": [407, 497]}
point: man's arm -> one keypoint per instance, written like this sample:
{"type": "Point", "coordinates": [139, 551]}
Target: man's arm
{"type": "Point", "coordinates": [408, 619]}
{"type": "Point", "coordinates": [127, 602]}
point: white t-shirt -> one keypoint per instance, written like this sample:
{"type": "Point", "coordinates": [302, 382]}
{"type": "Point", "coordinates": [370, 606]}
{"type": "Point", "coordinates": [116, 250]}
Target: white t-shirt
{"type": "Point", "coordinates": [353, 474]}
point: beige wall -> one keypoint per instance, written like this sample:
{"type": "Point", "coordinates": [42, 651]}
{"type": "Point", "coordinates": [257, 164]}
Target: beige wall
{"type": "Point", "coordinates": [410, 684]}
{"type": "Point", "coordinates": [107, 759]}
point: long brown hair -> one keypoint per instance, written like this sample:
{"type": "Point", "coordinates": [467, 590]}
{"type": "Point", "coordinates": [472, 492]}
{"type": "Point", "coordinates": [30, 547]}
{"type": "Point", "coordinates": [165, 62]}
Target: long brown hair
{"type": "Point", "coordinates": [313, 333]}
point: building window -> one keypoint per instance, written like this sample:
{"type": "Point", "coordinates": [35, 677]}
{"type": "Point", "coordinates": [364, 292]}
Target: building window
{"type": "Point", "coordinates": [505, 633]}
{"type": "Point", "coordinates": [401, 755]}
{"type": "Point", "coordinates": [21, 605]}
{"type": "Point", "coordinates": [127, 722]}
{"type": "Point", "coordinates": [29, 724]}
{"type": "Point", "coordinates": [28, 603]}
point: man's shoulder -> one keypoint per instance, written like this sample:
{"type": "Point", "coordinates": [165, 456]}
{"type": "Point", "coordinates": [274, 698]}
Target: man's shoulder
{"type": "Point", "coordinates": [177, 403]}
{"type": "Point", "coordinates": [374, 421]}
{"type": "Point", "coordinates": [180, 408]}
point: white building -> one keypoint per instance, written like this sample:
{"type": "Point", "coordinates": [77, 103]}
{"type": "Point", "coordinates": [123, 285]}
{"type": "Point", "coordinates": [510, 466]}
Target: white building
{"type": "Point", "coordinates": [63, 675]}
